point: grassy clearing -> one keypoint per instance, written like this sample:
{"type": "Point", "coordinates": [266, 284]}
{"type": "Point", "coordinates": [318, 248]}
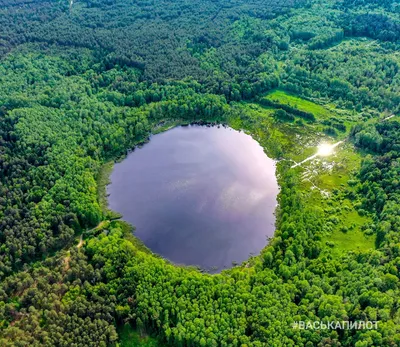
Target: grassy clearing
{"type": "Point", "coordinates": [285, 98]}
{"type": "Point", "coordinates": [327, 115]}
{"type": "Point", "coordinates": [280, 140]}
{"type": "Point", "coordinates": [353, 239]}
{"type": "Point", "coordinates": [344, 162]}
{"type": "Point", "coordinates": [344, 224]}
{"type": "Point", "coordinates": [330, 175]}
{"type": "Point", "coordinates": [128, 337]}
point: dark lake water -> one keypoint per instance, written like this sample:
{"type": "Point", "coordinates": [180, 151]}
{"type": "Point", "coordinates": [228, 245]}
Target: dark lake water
{"type": "Point", "coordinates": [198, 195]}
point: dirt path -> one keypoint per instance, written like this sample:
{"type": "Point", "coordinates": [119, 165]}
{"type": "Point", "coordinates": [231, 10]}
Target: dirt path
{"type": "Point", "coordinates": [80, 244]}
{"type": "Point", "coordinates": [390, 117]}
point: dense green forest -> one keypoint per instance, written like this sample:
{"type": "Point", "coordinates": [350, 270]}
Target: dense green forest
{"type": "Point", "coordinates": [82, 83]}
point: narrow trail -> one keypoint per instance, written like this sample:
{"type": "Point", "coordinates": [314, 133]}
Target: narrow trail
{"type": "Point", "coordinates": [67, 258]}
{"type": "Point", "coordinates": [98, 226]}
{"type": "Point", "coordinates": [80, 244]}
{"type": "Point", "coordinates": [387, 118]}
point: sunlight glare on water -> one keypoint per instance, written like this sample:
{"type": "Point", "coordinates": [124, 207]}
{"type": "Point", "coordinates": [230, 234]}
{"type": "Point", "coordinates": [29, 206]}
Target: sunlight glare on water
{"type": "Point", "coordinates": [325, 149]}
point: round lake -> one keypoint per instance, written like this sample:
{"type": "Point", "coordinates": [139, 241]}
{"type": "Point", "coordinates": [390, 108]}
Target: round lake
{"type": "Point", "coordinates": [198, 195]}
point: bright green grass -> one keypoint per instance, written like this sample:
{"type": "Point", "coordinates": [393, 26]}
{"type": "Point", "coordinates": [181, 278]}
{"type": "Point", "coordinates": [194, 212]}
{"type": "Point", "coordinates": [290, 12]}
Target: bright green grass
{"type": "Point", "coordinates": [284, 98]}
{"type": "Point", "coordinates": [344, 161]}
{"type": "Point", "coordinates": [129, 337]}
{"type": "Point", "coordinates": [280, 140]}
{"type": "Point", "coordinates": [354, 239]}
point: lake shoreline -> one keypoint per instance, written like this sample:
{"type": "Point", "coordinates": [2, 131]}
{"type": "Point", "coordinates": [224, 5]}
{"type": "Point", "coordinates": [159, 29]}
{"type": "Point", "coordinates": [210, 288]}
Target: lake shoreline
{"type": "Point", "coordinates": [263, 243]}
